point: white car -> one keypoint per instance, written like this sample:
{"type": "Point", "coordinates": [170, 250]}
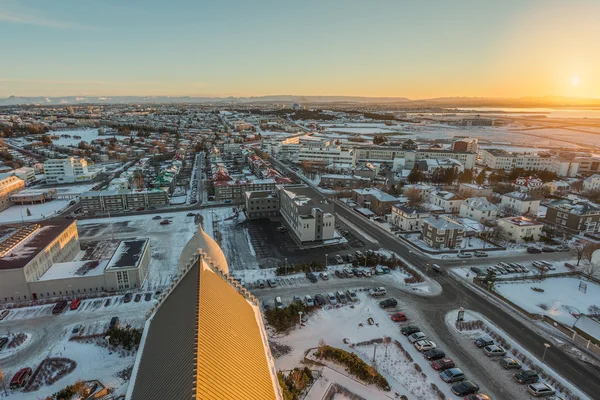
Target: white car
{"type": "Point", "coordinates": [339, 259]}
{"type": "Point", "coordinates": [424, 345]}
{"type": "Point", "coordinates": [415, 337]}
{"type": "Point", "coordinates": [378, 292]}
{"type": "Point", "coordinates": [464, 255]}
{"type": "Point", "coordinates": [331, 298]}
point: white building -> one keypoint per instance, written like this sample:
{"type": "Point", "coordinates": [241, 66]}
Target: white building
{"type": "Point", "coordinates": [449, 201]}
{"type": "Point", "coordinates": [478, 209]}
{"type": "Point", "coordinates": [518, 229]}
{"type": "Point", "coordinates": [67, 170]}
{"type": "Point", "coordinates": [592, 182]}
{"type": "Point", "coordinates": [330, 154]}
{"type": "Point", "coordinates": [519, 203]}
{"type": "Point", "coordinates": [26, 174]}
{"type": "Point", "coordinates": [527, 183]}
{"type": "Point", "coordinates": [502, 159]}
{"type": "Point", "coordinates": [408, 218]}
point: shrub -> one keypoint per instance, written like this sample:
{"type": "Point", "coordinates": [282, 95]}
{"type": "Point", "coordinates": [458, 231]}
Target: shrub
{"type": "Point", "coordinates": [126, 337]}
{"type": "Point", "coordinates": [285, 318]}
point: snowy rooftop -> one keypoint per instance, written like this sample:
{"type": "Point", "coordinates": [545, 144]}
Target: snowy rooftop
{"type": "Point", "coordinates": [521, 221]}
{"type": "Point", "coordinates": [128, 254]}
{"type": "Point", "coordinates": [480, 203]}
{"type": "Point", "coordinates": [378, 194]}
{"type": "Point", "coordinates": [74, 269]}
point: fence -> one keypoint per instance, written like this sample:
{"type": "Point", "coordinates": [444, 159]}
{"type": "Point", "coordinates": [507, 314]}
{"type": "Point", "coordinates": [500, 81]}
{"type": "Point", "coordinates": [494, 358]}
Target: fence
{"type": "Point", "coordinates": [579, 337]}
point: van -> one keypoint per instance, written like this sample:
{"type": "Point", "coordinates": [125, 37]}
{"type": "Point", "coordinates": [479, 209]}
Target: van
{"type": "Point", "coordinates": [114, 323]}
{"type": "Point", "coordinates": [278, 302]}
{"type": "Point", "coordinates": [20, 378]}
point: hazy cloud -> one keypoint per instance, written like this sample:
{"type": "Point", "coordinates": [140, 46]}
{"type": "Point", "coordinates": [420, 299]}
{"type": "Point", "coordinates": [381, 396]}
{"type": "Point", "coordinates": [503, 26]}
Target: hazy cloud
{"type": "Point", "coordinates": [30, 17]}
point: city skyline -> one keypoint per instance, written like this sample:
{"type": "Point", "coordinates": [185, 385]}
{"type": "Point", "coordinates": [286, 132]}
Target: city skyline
{"type": "Point", "coordinates": [426, 50]}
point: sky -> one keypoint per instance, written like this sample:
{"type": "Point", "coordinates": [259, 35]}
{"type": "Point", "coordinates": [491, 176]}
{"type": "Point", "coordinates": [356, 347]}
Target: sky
{"type": "Point", "coordinates": [376, 48]}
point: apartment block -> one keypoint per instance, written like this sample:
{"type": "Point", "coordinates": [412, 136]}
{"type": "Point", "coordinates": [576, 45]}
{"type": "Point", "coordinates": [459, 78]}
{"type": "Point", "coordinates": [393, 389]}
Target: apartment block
{"type": "Point", "coordinates": [574, 215]}
{"type": "Point", "coordinates": [118, 200]}
{"type": "Point", "coordinates": [442, 232]}
{"type": "Point", "coordinates": [9, 185]}
{"type": "Point", "coordinates": [262, 204]}
{"type": "Point", "coordinates": [67, 170]}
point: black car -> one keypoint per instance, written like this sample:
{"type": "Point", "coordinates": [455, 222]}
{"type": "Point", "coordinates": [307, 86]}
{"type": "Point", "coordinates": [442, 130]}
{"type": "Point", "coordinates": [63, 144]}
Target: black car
{"type": "Point", "coordinates": [320, 300]}
{"type": "Point", "coordinates": [127, 298]}
{"type": "Point", "coordinates": [409, 330]}
{"type": "Point", "coordinates": [526, 376]}
{"type": "Point", "coordinates": [477, 270]}
{"type": "Point", "coordinates": [434, 354]}
{"type": "Point", "coordinates": [114, 322]}
{"type": "Point", "coordinates": [311, 277]}
{"type": "Point", "coordinates": [138, 297]}
{"type": "Point", "coordinates": [3, 342]}
{"type": "Point", "coordinates": [388, 303]}
{"type": "Point", "coordinates": [533, 250]}
{"type": "Point", "coordinates": [107, 302]}
{"type": "Point", "coordinates": [465, 388]}
{"type": "Point", "coordinates": [339, 274]}
{"type": "Point", "coordinates": [148, 296]}
{"type": "Point", "coordinates": [191, 214]}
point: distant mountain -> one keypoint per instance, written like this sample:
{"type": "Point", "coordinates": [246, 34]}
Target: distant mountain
{"type": "Point", "coordinates": [442, 102]}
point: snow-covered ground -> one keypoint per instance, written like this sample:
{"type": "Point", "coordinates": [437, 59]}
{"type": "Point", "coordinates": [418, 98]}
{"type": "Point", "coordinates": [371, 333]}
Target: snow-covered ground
{"type": "Point", "coordinates": [166, 241]}
{"type": "Point", "coordinates": [560, 299]}
{"type": "Point", "coordinates": [333, 325]}
{"type": "Point", "coordinates": [37, 211]}
{"type": "Point", "coordinates": [500, 373]}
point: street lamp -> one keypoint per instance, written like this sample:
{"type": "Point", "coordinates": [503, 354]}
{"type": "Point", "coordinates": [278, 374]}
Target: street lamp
{"type": "Point", "coordinates": [325, 260]}
{"type": "Point", "coordinates": [300, 319]}
{"type": "Point", "coordinates": [546, 347]}
{"type": "Point", "coordinates": [285, 273]}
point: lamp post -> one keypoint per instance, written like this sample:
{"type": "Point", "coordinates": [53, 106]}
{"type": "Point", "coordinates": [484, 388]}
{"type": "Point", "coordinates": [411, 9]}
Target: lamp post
{"type": "Point", "coordinates": [285, 270]}
{"type": "Point", "coordinates": [300, 319]}
{"type": "Point", "coordinates": [546, 347]}
{"type": "Point", "coordinates": [326, 260]}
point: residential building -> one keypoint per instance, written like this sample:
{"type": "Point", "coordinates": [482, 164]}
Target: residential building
{"type": "Point", "coordinates": [449, 201]}
{"type": "Point", "coordinates": [118, 200]}
{"type": "Point", "coordinates": [327, 154]}
{"type": "Point", "coordinates": [574, 215]}
{"type": "Point", "coordinates": [442, 232]}
{"type": "Point", "coordinates": [519, 203]}
{"type": "Point", "coordinates": [342, 182]}
{"type": "Point", "coordinates": [520, 229]}
{"type": "Point", "coordinates": [592, 182]}
{"type": "Point", "coordinates": [262, 204]}
{"type": "Point", "coordinates": [588, 165]}
{"type": "Point", "coordinates": [32, 196]}
{"type": "Point", "coordinates": [408, 218]}
{"type": "Point", "coordinates": [375, 200]}
{"type": "Point", "coordinates": [466, 144]}
{"type": "Point", "coordinates": [473, 190]}
{"type": "Point", "coordinates": [26, 174]}
{"type": "Point", "coordinates": [429, 165]}
{"type": "Point", "coordinates": [67, 170]}
{"type": "Point", "coordinates": [308, 216]}
{"type": "Point", "coordinates": [559, 188]}
{"type": "Point", "coordinates": [203, 306]}
{"type": "Point", "coordinates": [527, 183]}
{"type": "Point", "coordinates": [9, 185]}
{"type": "Point", "coordinates": [478, 209]}
{"type": "Point", "coordinates": [387, 154]}
{"type": "Point", "coordinates": [502, 159]}
{"type": "Point", "coordinates": [236, 189]}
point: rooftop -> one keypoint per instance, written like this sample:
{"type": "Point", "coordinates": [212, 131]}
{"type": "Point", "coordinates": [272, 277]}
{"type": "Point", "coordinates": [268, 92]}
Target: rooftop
{"type": "Point", "coordinates": [128, 254]}
{"type": "Point", "coordinates": [74, 269]}
{"type": "Point", "coordinates": [442, 223]}
{"type": "Point", "coordinates": [376, 193]}
{"type": "Point", "coordinates": [522, 196]}
{"type": "Point", "coordinates": [29, 247]}
{"type": "Point", "coordinates": [521, 221]}
{"type": "Point", "coordinates": [578, 207]}
{"type": "Point", "coordinates": [480, 203]}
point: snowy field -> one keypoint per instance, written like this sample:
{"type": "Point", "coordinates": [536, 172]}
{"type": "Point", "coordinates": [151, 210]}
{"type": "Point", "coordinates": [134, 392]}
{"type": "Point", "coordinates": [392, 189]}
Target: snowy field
{"type": "Point", "coordinates": [166, 241]}
{"type": "Point", "coordinates": [333, 325]}
{"type": "Point", "coordinates": [561, 297]}
{"type": "Point", "coordinates": [37, 211]}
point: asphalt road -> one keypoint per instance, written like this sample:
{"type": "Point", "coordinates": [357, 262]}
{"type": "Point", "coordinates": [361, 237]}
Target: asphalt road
{"type": "Point", "coordinates": [455, 295]}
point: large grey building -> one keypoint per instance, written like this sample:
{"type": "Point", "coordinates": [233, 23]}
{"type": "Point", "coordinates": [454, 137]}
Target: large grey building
{"type": "Point", "coordinates": [574, 215]}
{"type": "Point", "coordinates": [117, 200]}
{"type": "Point", "coordinates": [442, 232]}
{"type": "Point", "coordinates": [262, 204]}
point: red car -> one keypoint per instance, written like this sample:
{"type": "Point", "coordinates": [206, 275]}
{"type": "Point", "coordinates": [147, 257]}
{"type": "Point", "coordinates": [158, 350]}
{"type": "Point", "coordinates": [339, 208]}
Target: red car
{"type": "Point", "coordinates": [443, 364]}
{"type": "Point", "coordinates": [399, 317]}
{"type": "Point", "coordinates": [75, 304]}
{"type": "Point", "coordinates": [479, 396]}
{"type": "Point", "coordinates": [140, 209]}
{"type": "Point", "coordinates": [20, 378]}
{"type": "Point", "coordinates": [164, 222]}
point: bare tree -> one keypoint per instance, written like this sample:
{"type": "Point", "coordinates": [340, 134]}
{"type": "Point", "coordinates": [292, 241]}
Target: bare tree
{"type": "Point", "coordinates": [579, 249]}
{"type": "Point", "coordinates": [414, 196]}
{"type": "Point", "coordinates": [590, 265]}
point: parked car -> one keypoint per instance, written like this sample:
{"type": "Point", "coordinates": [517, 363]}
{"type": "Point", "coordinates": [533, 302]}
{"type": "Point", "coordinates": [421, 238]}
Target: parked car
{"type": "Point", "coordinates": [309, 301]}
{"type": "Point", "coordinates": [341, 296]}
{"type": "Point", "coordinates": [399, 317]}
{"type": "Point", "coordinates": [563, 248]}
{"type": "Point", "coordinates": [348, 273]}
{"type": "Point", "coordinates": [540, 389]}
{"type": "Point", "coordinates": [479, 396]}
{"type": "Point", "coordinates": [377, 292]}
{"type": "Point", "coordinates": [339, 274]}
{"type": "Point", "coordinates": [331, 298]}
{"type": "Point", "coordinates": [480, 253]}
{"type": "Point", "coordinates": [324, 276]}
{"type": "Point", "coordinates": [137, 297]}
{"type": "Point", "coordinates": [352, 295]}
{"type": "Point", "coordinates": [339, 259]}
{"type": "Point", "coordinates": [157, 217]}
{"type": "Point", "coordinates": [533, 250]}
{"type": "Point", "coordinates": [190, 214]}
{"type": "Point", "coordinates": [261, 283]}
{"type": "Point", "coordinates": [148, 297]}
{"type": "Point", "coordinates": [297, 299]}
{"type": "Point", "coordinates": [526, 376]}
{"type": "Point", "coordinates": [477, 270]}
{"type": "Point", "coordinates": [442, 364]}
{"type": "Point", "coordinates": [494, 351]}
{"type": "Point", "coordinates": [3, 342]}
{"type": "Point", "coordinates": [75, 303]}
{"type": "Point", "coordinates": [434, 354]}
{"type": "Point", "coordinates": [465, 388]}
{"type": "Point", "coordinates": [272, 282]}
{"type": "Point", "coordinates": [350, 257]}
{"type": "Point", "coordinates": [59, 307]}
{"type": "Point", "coordinates": [357, 272]}
{"type": "Point", "coordinates": [510, 363]}
{"type": "Point", "coordinates": [311, 277]}
{"type": "Point", "coordinates": [464, 255]}
{"type": "Point", "coordinates": [107, 302]}
{"type": "Point", "coordinates": [452, 375]}
{"type": "Point", "coordinates": [281, 229]}
{"type": "Point", "coordinates": [387, 303]}
{"type": "Point", "coordinates": [279, 303]}
{"type": "Point", "coordinates": [415, 337]}
{"type": "Point", "coordinates": [3, 314]}
{"type": "Point", "coordinates": [114, 323]}
{"type": "Point", "coordinates": [165, 222]}
{"type": "Point", "coordinates": [77, 329]}
{"type": "Point", "coordinates": [359, 254]}
{"type": "Point", "coordinates": [319, 300]}
{"type": "Point", "coordinates": [227, 201]}
{"type": "Point", "coordinates": [127, 298]}
{"type": "Point", "coordinates": [20, 378]}
{"type": "Point", "coordinates": [484, 340]}
{"type": "Point", "coordinates": [409, 330]}
{"type": "Point", "coordinates": [424, 345]}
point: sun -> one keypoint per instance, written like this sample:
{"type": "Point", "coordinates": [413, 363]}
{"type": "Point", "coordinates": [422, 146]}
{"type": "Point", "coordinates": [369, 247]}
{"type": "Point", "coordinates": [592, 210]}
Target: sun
{"type": "Point", "coordinates": [575, 81]}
